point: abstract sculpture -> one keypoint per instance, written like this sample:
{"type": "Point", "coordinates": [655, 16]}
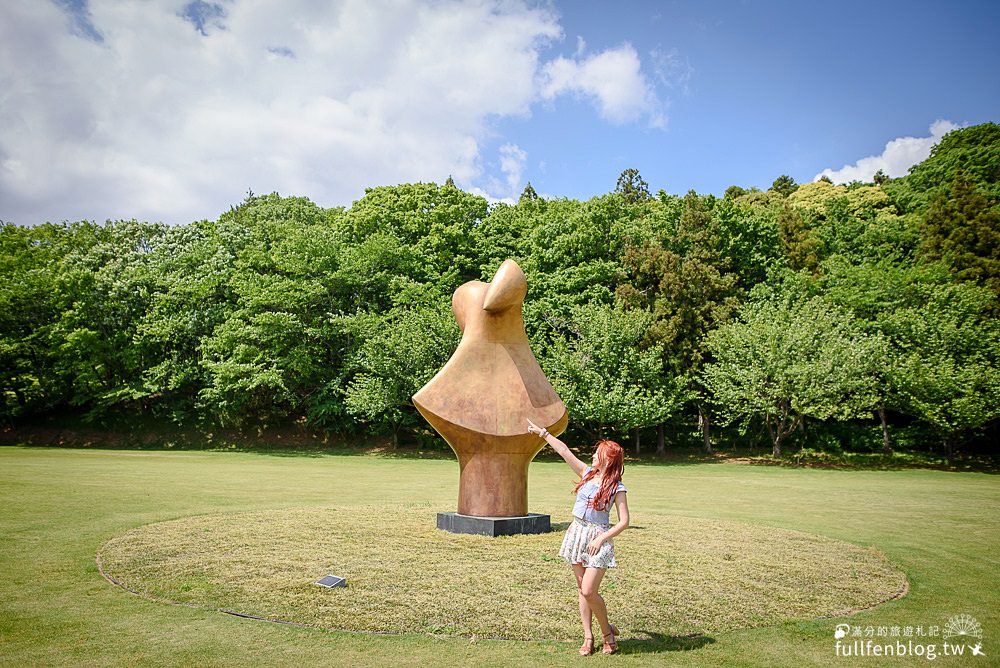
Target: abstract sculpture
{"type": "Point", "coordinates": [481, 400]}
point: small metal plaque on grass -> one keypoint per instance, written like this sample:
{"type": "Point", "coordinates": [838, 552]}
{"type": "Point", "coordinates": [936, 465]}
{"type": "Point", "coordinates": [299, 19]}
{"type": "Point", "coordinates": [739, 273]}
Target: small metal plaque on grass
{"type": "Point", "coordinates": [332, 581]}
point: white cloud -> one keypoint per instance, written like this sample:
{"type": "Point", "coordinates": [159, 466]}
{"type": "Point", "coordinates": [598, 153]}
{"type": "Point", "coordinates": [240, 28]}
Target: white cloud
{"type": "Point", "coordinates": [672, 70]}
{"type": "Point", "coordinates": [139, 113]}
{"type": "Point", "coordinates": [512, 159]}
{"type": "Point", "coordinates": [612, 78]}
{"type": "Point", "coordinates": [899, 155]}
{"type": "Point", "coordinates": [490, 197]}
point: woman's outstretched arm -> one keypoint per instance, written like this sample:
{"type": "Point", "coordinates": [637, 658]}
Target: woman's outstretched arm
{"type": "Point", "coordinates": [574, 463]}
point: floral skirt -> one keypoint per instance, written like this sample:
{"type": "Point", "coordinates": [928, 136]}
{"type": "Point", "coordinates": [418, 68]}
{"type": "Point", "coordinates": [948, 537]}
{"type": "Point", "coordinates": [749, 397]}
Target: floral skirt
{"type": "Point", "coordinates": [578, 536]}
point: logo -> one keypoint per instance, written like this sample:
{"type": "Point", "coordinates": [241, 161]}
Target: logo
{"type": "Point", "coordinates": [962, 627]}
{"type": "Point", "coordinates": [961, 635]}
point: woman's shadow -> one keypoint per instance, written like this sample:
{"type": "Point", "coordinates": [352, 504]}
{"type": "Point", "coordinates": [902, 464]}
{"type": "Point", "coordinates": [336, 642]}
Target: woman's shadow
{"type": "Point", "coordinates": [658, 642]}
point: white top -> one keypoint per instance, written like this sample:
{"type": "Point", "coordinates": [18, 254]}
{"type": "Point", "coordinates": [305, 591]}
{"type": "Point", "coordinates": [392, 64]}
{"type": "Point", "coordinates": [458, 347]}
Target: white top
{"type": "Point", "coordinates": [587, 492]}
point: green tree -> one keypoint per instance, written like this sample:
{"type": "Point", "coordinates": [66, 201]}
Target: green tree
{"type": "Point", "coordinates": [859, 222]}
{"type": "Point", "coordinates": [785, 185]}
{"type": "Point", "coordinates": [632, 187]}
{"type": "Point", "coordinates": [748, 240]}
{"type": "Point", "coordinates": [268, 347]}
{"type": "Point", "coordinates": [789, 359]}
{"type": "Point", "coordinates": [236, 329]}
{"type": "Point", "coordinates": [974, 150]}
{"type": "Point", "coordinates": [876, 293]}
{"type": "Point", "coordinates": [102, 289]}
{"type": "Point", "coordinates": [572, 255]}
{"type": "Point", "coordinates": [435, 223]}
{"type": "Point", "coordinates": [398, 353]}
{"type": "Point", "coordinates": [528, 194]}
{"type": "Point", "coordinates": [948, 372]}
{"type": "Point", "coordinates": [606, 378]}
{"type": "Point", "coordinates": [962, 227]}
{"type": "Point", "coordinates": [688, 290]}
{"type": "Point", "coordinates": [800, 245]}
{"type": "Point", "coordinates": [30, 308]}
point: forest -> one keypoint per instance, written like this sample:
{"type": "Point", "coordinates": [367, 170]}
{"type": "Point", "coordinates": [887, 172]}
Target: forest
{"type": "Point", "coordinates": [860, 317]}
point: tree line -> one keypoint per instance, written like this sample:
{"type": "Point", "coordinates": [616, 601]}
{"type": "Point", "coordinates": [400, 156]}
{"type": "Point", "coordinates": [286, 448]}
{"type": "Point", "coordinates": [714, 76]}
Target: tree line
{"type": "Point", "coordinates": [859, 316]}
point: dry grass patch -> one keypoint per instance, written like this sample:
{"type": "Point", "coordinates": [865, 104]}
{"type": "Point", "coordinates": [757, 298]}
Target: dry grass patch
{"type": "Point", "coordinates": [676, 575]}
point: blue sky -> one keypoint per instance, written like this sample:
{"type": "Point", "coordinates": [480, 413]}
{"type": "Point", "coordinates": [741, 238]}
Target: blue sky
{"type": "Point", "coordinates": [171, 110]}
{"type": "Point", "coordinates": [770, 88]}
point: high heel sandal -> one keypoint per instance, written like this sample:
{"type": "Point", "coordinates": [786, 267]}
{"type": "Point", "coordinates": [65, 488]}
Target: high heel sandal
{"type": "Point", "coordinates": [587, 648]}
{"type": "Point", "coordinates": [610, 647]}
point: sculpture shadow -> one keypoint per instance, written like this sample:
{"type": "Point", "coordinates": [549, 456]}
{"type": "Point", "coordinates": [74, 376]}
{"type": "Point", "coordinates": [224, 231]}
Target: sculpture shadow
{"type": "Point", "coordinates": [562, 526]}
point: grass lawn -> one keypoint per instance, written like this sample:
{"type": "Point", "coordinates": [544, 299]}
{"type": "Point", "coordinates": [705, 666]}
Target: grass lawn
{"type": "Point", "coordinates": [940, 528]}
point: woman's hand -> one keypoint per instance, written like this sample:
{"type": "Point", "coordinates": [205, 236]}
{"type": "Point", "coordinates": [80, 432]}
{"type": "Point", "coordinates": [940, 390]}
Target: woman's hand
{"type": "Point", "coordinates": [594, 546]}
{"type": "Point", "coordinates": [534, 428]}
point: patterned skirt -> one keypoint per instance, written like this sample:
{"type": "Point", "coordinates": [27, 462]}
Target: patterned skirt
{"type": "Point", "coordinates": [578, 536]}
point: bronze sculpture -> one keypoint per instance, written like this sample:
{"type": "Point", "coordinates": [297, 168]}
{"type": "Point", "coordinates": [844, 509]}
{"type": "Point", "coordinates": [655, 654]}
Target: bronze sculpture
{"type": "Point", "coordinates": [484, 395]}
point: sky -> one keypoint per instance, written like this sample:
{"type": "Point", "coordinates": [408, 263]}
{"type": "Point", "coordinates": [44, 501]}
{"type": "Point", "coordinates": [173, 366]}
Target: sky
{"type": "Point", "coordinates": [173, 110]}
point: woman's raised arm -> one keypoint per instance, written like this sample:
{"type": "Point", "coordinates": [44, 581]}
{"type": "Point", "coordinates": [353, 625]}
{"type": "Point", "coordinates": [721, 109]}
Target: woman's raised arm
{"type": "Point", "coordinates": [574, 463]}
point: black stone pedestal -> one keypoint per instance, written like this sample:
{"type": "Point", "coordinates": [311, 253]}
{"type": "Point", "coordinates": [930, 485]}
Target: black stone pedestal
{"type": "Point", "coordinates": [494, 526]}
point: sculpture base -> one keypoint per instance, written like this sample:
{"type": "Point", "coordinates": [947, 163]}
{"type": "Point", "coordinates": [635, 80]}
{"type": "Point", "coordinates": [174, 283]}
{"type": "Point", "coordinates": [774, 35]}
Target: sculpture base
{"type": "Point", "coordinates": [494, 526]}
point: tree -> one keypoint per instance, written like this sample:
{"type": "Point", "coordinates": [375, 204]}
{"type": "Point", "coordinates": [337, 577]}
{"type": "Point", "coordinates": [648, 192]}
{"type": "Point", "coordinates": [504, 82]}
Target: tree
{"type": "Point", "coordinates": [236, 328]}
{"type": "Point", "coordinates": [528, 194]}
{"type": "Point", "coordinates": [788, 359]}
{"type": "Point", "coordinates": [948, 372]}
{"type": "Point", "coordinates": [732, 192]}
{"type": "Point", "coordinates": [398, 353]}
{"type": "Point", "coordinates": [30, 308]}
{"type": "Point", "coordinates": [572, 253]}
{"type": "Point", "coordinates": [102, 290]}
{"type": "Point", "coordinates": [962, 227]}
{"type": "Point", "coordinates": [604, 376]}
{"type": "Point", "coordinates": [974, 150]}
{"type": "Point", "coordinates": [432, 222]}
{"type": "Point", "coordinates": [747, 239]}
{"type": "Point", "coordinates": [860, 222]}
{"type": "Point", "coordinates": [785, 185]}
{"type": "Point", "coordinates": [688, 290]}
{"type": "Point", "coordinates": [259, 366]}
{"type": "Point", "coordinates": [632, 187]}
{"type": "Point", "coordinates": [876, 293]}
{"type": "Point", "coordinates": [880, 178]}
{"type": "Point", "coordinates": [799, 244]}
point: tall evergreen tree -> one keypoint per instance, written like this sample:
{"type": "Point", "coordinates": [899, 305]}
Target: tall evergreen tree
{"type": "Point", "coordinates": [800, 245]}
{"type": "Point", "coordinates": [962, 227]}
{"type": "Point", "coordinates": [686, 285]}
{"type": "Point", "coordinates": [785, 185]}
{"type": "Point", "coordinates": [528, 194]}
{"type": "Point", "coordinates": [632, 187]}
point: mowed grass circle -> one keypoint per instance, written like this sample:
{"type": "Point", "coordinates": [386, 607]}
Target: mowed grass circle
{"type": "Point", "coordinates": [675, 576]}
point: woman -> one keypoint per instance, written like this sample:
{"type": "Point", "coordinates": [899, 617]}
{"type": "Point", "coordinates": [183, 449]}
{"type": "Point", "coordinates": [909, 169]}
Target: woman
{"type": "Point", "coordinates": [588, 545]}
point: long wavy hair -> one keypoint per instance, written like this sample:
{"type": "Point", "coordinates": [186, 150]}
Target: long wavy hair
{"type": "Point", "coordinates": [613, 457]}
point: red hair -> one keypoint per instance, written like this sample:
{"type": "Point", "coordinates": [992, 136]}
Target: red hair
{"type": "Point", "coordinates": [613, 457]}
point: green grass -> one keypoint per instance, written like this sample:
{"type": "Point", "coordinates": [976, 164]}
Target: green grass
{"type": "Point", "coordinates": [60, 505]}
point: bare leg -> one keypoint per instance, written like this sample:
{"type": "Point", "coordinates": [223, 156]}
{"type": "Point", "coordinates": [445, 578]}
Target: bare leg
{"type": "Point", "coordinates": [589, 585]}
{"type": "Point", "coordinates": [585, 613]}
